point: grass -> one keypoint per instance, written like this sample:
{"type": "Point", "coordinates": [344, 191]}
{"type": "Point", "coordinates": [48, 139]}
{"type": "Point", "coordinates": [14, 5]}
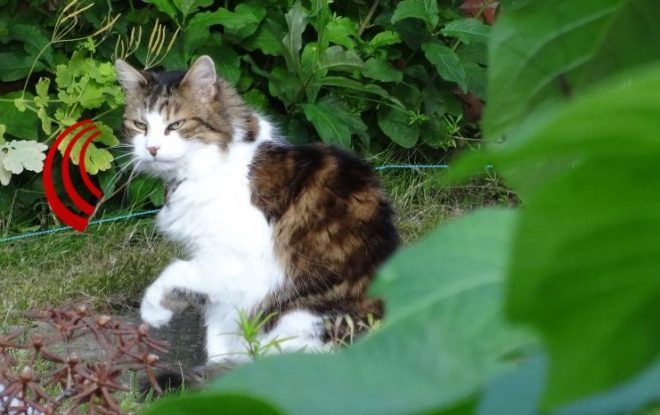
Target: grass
{"type": "Point", "coordinates": [110, 264]}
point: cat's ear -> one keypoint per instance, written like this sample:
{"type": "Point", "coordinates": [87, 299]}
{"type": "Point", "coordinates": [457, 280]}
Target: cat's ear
{"type": "Point", "coordinates": [130, 78]}
{"type": "Point", "coordinates": [201, 78]}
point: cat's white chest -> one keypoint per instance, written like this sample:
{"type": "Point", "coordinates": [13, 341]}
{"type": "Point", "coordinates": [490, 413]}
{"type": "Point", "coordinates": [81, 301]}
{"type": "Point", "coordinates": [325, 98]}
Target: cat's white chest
{"type": "Point", "coordinates": [228, 238]}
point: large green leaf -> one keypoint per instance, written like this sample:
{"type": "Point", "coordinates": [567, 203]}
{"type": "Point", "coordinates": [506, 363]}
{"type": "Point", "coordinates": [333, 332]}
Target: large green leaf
{"type": "Point", "coordinates": [15, 66]}
{"type": "Point", "coordinates": [341, 31]}
{"type": "Point", "coordinates": [336, 58]}
{"type": "Point", "coordinates": [296, 21]}
{"type": "Point", "coordinates": [35, 40]}
{"type": "Point", "coordinates": [586, 258]}
{"type": "Point", "coordinates": [197, 32]}
{"type": "Point", "coordinates": [425, 10]}
{"type": "Point", "coordinates": [385, 38]}
{"type": "Point", "coordinates": [446, 62]}
{"type": "Point", "coordinates": [166, 6]}
{"type": "Point", "coordinates": [268, 38]}
{"type": "Point", "coordinates": [208, 403]}
{"type": "Point", "coordinates": [467, 30]}
{"type": "Point", "coordinates": [23, 125]}
{"type": "Point", "coordinates": [334, 123]}
{"type": "Point", "coordinates": [342, 82]}
{"type": "Point", "coordinates": [443, 336]}
{"type": "Point", "coordinates": [285, 85]}
{"type": "Point", "coordinates": [243, 21]}
{"type": "Point", "coordinates": [382, 70]}
{"type": "Point", "coordinates": [518, 392]}
{"type": "Point", "coordinates": [187, 7]}
{"type": "Point", "coordinates": [542, 52]}
{"type": "Point", "coordinates": [395, 123]}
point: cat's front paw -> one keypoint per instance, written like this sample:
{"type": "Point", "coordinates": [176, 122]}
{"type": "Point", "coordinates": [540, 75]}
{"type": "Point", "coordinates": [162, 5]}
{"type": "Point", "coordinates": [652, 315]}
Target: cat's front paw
{"type": "Point", "coordinates": [152, 312]}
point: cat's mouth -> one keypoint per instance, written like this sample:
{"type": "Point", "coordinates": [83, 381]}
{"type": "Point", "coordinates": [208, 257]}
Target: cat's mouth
{"type": "Point", "coordinates": [160, 167]}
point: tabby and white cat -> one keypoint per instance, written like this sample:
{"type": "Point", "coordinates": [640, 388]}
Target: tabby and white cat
{"type": "Point", "coordinates": [292, 230]}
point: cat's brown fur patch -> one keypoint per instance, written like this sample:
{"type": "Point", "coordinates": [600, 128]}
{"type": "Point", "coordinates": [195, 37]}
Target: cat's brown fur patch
{"type": "Point", "coordinates": [332, 226]}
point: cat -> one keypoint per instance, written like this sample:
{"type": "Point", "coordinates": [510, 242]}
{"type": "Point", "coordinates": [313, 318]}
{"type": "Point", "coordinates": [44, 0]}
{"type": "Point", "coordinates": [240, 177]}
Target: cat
{"type": "Point", "coordinates": [296, 232]}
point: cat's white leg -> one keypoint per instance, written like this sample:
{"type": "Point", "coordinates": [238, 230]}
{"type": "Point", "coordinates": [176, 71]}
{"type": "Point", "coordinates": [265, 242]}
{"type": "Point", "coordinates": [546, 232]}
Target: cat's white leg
{"type": "Point", "coordinates": [179, 274]}
{"type": "Point", "coordinates": [297, 331]}
{"type": "Point", "coordinates": [224, 342]}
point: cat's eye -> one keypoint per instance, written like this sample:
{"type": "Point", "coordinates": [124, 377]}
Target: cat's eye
{"type": "Point", "coordinates": [139, 124]}
{"type": "Point", "coordinates": [175, 125]}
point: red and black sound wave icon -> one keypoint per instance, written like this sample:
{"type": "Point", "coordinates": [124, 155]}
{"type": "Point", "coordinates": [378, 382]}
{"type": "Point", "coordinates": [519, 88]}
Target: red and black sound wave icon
{"type": "Point", "coordinates": [84, 130]}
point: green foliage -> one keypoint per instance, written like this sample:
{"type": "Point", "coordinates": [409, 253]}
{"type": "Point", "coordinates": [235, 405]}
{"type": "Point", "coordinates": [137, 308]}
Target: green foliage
{"type": "Point", "coordinates": [605, 242]}
{"type": "Point", "coordinates": [538, 61]}
{"type": "Point", "coordinates": [367, 76]}
{"type": "Point", "coordinates": [206, 403]}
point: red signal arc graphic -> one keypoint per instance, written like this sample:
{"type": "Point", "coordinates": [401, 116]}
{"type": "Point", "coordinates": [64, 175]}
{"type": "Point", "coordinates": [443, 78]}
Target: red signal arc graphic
{"type": "Point", "coordinates": [65, 214]}
{"type": "Point", "coordinates": [66, 174]}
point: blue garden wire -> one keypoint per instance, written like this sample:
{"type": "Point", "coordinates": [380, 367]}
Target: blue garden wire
{"type": "Point", "coordinates": [154, 211]}
{"type": "Point", "coordinates": [411, 166]}
{"type": "Point", "coordinates": [67, 228]}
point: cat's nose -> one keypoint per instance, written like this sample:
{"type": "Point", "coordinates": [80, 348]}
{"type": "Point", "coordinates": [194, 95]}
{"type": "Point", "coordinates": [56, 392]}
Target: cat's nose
{"type": "Point", "coordinates": [153, 150]}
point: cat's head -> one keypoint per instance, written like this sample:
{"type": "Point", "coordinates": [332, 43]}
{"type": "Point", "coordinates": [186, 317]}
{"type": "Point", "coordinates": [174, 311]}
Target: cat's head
{"type": "Point", "coordinates": [169, 115]}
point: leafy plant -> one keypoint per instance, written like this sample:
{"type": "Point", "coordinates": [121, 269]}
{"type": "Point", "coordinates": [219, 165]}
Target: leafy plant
{"type": "Point", "coordinates": [364, 75]}
{"type": "Point", "coordinates": [251, 327]}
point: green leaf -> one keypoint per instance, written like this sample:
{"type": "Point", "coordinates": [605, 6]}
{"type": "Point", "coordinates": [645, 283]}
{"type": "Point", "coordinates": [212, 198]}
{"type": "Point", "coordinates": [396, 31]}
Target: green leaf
{"type": "Point", "coordinates": [243, 21]}
{"type": "Point", "coordinates": [197, 33]}
{"type": "Point", "coordinates": [336, 58]}
{"type": "Point", "coordinates": [382, 70]}
{"type": "Point", "coordinates": [42, 88]}
{"type": "Point", "coordinates": [268, 38]}
{"type": "Point", "coordinates": [165, 6]}
{"type": "Point", "coordinates": [91, 96]}
{"type": "Point", "coordinates": [395, 123]}
{"type": "Point", "coordinates": [385, 38]}
{"type": "Point", "coordinates": [585, 262]}
{"type": "Point", "coordinates": [426, 10]}
{"type": "Point", "coordinates": [467, 30]}
{"type": "Point", "coordinates": [476, 79]}
{"type": "Point", "coordinates": [348, 83]}
{"type": "Point", "coordinates": [334, 123]}
{"type": "Point", "coordinates": [446, 62]}
{"type": "Point", "coordinates": [34, 39]}
{"type": "Point", "coordinates": [211, 403]}
{"type": "Point", "coordinates": [187, 7]}
{"type": "Point", "coordinates": [541, 53]}
{"type": "Point", "coordinates": [14, 66]}
{"type": "Point", "coordinates": [107, 136]}
{"type": "Point", "coordinates": [296, 21]}
{"type": "Point", "coordinates": [341, 31]}
{"type": "Point", "coordinates": [436, 133]}
{"type": "Point", "coordinates": [45, 120]}
{"type": "Point", "coordinates": [21, 125]}
{"type": "Point", "coordinates": [519, 392]}
{"type": "Point", "coordinates": [454, 278]}
{"type": "Point", "coordinates": [256, 99]}
{"type": "Point", "coordinates": [285, 85]}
